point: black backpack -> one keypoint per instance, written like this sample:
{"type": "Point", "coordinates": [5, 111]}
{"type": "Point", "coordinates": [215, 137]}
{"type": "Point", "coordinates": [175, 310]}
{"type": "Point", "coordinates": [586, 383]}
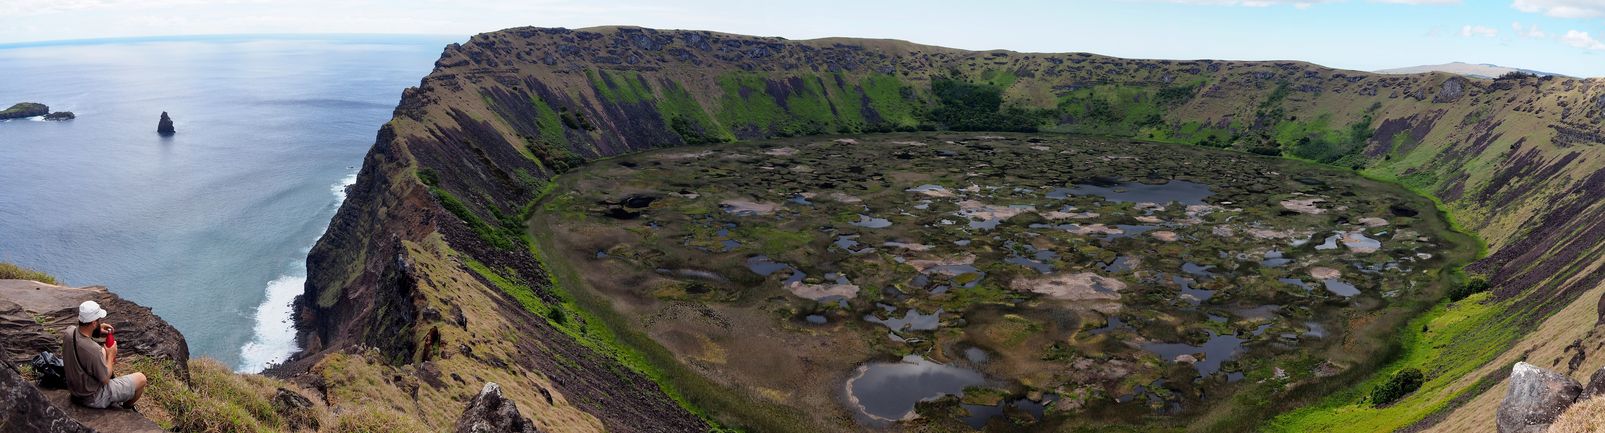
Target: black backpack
{"type": "Point", "coordinates": [51, 371]}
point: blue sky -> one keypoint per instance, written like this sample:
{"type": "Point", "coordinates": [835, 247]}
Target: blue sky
{"type": "Point", "coordinates": [1562, 36]}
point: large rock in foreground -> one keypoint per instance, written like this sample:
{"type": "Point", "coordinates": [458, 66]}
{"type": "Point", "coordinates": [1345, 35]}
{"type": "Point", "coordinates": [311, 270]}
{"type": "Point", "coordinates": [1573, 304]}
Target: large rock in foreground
{"type": "Point", "coordinates": [24, 409]}
{"type": "Point", "coordinates": [34, 314]}
{"type": "Point", "coordinates": [490, 412]}
{"type": "Point", "coordinates": [1536, 397]}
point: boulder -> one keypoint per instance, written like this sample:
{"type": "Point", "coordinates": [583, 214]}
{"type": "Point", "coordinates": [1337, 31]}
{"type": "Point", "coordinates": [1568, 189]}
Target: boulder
{"type": "Point", "coordinates": [1536, 397]}
{"type": "Point", "coordinates": [1595, 387]}
{"type": "Point", "coordinates": [296, 410]}
{"type": "Point", "coordinates": [23, 409]}
{"type": "Point", "coordinates": [164, 126]}
{"type": "Point", "coordinates": [61, 115]}
{"type": "Point", "coordinates": [491, 412]}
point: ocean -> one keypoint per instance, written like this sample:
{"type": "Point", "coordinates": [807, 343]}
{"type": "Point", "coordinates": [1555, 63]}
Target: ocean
{"type": "Point", "coordinates": [209, 227]}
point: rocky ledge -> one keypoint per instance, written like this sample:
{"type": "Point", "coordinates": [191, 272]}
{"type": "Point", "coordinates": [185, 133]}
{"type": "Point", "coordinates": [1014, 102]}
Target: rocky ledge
{"type": "Point", "coordinates": [32, 318]}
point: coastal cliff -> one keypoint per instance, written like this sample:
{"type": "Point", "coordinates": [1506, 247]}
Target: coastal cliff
{"type": "Point", "coordinates": [427, 271]}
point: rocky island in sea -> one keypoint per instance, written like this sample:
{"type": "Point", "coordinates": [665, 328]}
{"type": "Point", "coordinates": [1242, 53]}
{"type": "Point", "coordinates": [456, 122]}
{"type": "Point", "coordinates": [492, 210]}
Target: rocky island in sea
{"type": "Point", "coordinates": [33, 109]}
{"type": "Point", "coordinates": [165, 125]}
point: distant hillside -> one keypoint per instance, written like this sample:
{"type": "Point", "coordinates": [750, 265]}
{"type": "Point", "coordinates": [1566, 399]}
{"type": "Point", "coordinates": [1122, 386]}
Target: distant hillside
{"type": "Point", "coordinates": [1479, 70]}
{"type": "Point", "coordinates": [428, 262]}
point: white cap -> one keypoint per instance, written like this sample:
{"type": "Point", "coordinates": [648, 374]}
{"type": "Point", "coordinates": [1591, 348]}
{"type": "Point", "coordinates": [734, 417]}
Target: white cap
{"type": "Point", "coordinates": [90, 311]}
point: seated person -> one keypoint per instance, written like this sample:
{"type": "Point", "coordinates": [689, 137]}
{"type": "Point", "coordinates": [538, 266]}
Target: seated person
{"type": "Point", "coordinates": [88, 365]}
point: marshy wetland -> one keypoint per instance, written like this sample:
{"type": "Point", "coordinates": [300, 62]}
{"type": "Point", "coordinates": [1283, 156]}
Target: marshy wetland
{"type": "Point", "coordinates": [950, 282]}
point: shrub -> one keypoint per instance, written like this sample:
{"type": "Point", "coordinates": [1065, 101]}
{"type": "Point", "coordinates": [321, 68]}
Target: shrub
{"type": "Point", "coordinates": [1474, 285]}
{"type": "Point", "coordinates": [979, 107]}
{"type": "Point", "coordinates": [1401, 384]}
{"type": "Point", "coordinates": [13, 272]}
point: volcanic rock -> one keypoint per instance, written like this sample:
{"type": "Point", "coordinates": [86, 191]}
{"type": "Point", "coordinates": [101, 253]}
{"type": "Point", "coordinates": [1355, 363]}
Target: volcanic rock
{"type": "Point", "coordinates": [491, 412]}
{"type": "Point", "coordinates": [165, 125]}
{"type": "Point", "coordinates": [1536, 397]}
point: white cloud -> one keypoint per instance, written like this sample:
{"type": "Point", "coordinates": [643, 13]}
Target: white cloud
{"type": "Point", "coordinates": [1470, 31]}
{"type": "Point", "coordinates": [1528, 31]}
{"type": "Point", "coordinates": [1582, 40]}
{"type": "Point", "coordinates": [1562, 8]}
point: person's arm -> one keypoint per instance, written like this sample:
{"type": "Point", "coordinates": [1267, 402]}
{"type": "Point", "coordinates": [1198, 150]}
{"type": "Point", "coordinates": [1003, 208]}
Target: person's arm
{"type": "Point", "coordinates": [111, 355]}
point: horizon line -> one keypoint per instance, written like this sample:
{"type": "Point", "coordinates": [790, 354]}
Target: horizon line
{"type": "Point", "coordinates": [219, 36]}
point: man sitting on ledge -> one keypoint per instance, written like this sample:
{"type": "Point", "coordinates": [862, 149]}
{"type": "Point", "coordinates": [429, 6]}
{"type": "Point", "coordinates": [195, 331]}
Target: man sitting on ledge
{"type": "Point", "coordinates": [89, 365]}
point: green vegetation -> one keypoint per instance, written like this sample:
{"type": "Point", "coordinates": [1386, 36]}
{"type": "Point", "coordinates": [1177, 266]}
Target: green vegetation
{"type": "Point", "coordinates": [687, 118]}
{"type": "Point", "coordinates": [1404, 382]}
{"type": "Point", "coordinates": [891, 101]}
{"type": "Point", "coordinates": [965, 106]}
{"type": "Point", "coordinates": [10, 271]}
{"type": "Point", "coordinates": [1112, 109]}
{"type": "Point", "coordinates": [1473, 285]}
{"type": "Point", "coordinates": [507, 234]}
{"type": "Point", "coordinates": [1452, 340]}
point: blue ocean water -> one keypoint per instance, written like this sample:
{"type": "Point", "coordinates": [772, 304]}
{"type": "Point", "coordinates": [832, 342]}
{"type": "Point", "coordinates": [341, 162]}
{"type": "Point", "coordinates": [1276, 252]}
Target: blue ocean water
{"type": "Point", "coordinates": [210, 227]}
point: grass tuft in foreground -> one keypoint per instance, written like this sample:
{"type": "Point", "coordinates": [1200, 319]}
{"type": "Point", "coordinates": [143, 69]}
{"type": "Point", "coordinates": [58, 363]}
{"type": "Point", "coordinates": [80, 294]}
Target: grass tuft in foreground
{"type": "Point", "coordinates": [13, 272]}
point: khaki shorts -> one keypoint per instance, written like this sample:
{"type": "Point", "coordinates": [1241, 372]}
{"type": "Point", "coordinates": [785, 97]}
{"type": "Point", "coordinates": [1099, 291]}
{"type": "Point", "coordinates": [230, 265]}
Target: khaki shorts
{"type": "Point", "coordinates": [117, 391]}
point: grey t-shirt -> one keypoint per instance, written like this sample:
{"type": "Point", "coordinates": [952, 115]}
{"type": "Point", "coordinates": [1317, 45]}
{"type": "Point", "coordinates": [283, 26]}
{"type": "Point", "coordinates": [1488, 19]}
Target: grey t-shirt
{"type": "Point", "coordinates": [85, 362]}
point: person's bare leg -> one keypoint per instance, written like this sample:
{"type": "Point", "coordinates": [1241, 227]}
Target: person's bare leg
{"type": "Point", "coordinates": [139, 387]}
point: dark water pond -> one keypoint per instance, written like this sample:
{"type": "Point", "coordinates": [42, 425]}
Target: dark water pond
{"type": "Point", "coordinates": [1219, 348]}
{"type": "Point", "coordinates": [888, 391]}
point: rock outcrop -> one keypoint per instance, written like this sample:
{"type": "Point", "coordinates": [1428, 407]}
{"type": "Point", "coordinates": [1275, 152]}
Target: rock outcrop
{"type": "Point", "coordinates": [24, 109]}
{"type": "Point", "coordinates": [23, 409]}
{"type": "Point", "coordinates": [1535, 398]}
{"type": "Point", "coordinates": [490, 412]}
{"type": "Point", "coordinates": [164, 126]}
{"type": "Point", "coordinates": [33, 315]}
{"type": "Point", "coordinates": [61, 115]}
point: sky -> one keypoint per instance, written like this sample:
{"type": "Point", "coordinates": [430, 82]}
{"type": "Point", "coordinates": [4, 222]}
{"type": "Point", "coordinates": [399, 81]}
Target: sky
{"type": "Point", "coordinates": [1560, 36]}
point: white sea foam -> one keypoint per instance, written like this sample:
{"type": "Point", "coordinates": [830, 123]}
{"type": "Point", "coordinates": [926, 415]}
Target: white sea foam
{"type": "Point", "coordinates": [274, 339]}
{"type": "Point", "coordinates": [339, 189]}
{"type": "Point", "coordinates": [275, 334]}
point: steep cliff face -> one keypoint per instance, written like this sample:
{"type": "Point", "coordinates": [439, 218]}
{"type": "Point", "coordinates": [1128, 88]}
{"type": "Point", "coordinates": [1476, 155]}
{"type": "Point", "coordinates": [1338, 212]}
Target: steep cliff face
{"type": "Point", "coordinates": [429, 263]}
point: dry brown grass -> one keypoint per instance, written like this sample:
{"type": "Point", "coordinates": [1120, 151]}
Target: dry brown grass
{"type": "Point", "coordinates": [1584, 417]}
{"type": "Point", "coordinates": [216, 399]}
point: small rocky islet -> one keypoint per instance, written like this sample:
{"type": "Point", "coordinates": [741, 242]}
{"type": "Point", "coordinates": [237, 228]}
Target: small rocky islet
{"type": "Point", "coordinates": [1094, 279]}
{"type": "Point", "coordinates": [22, 110]}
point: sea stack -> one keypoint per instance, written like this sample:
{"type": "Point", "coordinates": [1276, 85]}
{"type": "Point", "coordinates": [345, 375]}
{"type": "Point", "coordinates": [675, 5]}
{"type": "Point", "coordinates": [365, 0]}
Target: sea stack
{"type": "Point", "coordinates": [165, 126]}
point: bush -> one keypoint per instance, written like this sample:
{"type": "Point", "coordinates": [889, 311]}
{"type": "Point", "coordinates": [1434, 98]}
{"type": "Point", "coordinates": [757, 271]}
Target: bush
{"type": "Point", "coordinates": [1472, 286]}
{"type": "Point", "coordinates": [979, 107]}
{"type": "Point", "coordinates": [13, 272]}
{"type": "Point", "coordinates": [1401, 384]}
